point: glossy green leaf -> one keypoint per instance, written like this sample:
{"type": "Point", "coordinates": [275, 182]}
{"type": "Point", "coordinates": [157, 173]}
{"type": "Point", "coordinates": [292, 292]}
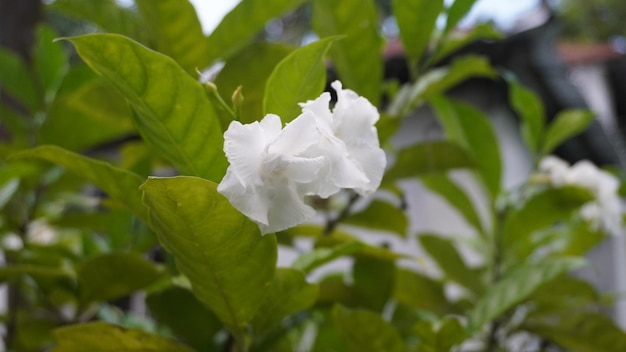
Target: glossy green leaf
{"type": "Point", "coordinates": [458, 40]}
{"type": "Point", "coordinates": [421, 292]}
{"type": "Point", "coordinates": [381, 215]}
{"type": "Point", "coordinates": [427, 158]}
{"type": "Point", "coordinates": [439, 336]}
{"type": "Point", "coordinates": [49, 61]}
{"type": "Point", "coordinates": [562, 295]}
{"type": "Point", "coordinates": [529, 107]}
{"type": "Point", "coordinates": [17, 81]}
{"type": "Point", "coordinates": [228, 262]}
{"type": "Point", "coordinates": [241, 24]}
{"type": "Point", "coordinates": [456, 12]}
{"type": "Point", "coordinates": [471, 129]}
{"type": "Point", "coordinates": [299, 77]}
{"type": "Point", "coordinates": [250, 68]}
{"type": "Point", "coordinates": [439, 80]}
{"type": "Point", "coordinates": [416, 21]}
{"type": "Point", "coordinates": [104, 337]}
{"type": "Point", "coordinates": [334, 290]}
{"type": "Point", "coordinates": [105, 14]}
{"type": "Point", "coordinates": [362, 330]}
{"type": "Point", "coordinates": [517, 286]}
{"type": "Point", "coordinates": [455, 195]}
{"type": "Point", "coordinates": [583, 332]}
{"type": "Point", "coordinates": [173, 113]}
{"type": "Point", "coordinates": [177, 32]}
{"type": "Point", "coordinates": [288, 293]}
{"type": "Point", "coordinates": [357, 58]}
{"type": "Point", "coordinates": [373, 281]}
{"type": "Point", "coordinates": [308, 261]}
{"type": "Point", "coordinates": [115, 275]}
{"type": "Point", "coordinates": [566, 125]}
{"type": "Point", "coordinates": [119, 184]}
{"type": "Point", "coordinates": [178, 309]}
{"type": "Point", "coordinates": [448, 259]}
{"type": "Point", "coordinates": [542, 210]}
{"type": "Point", "coordinates": [86, 112]}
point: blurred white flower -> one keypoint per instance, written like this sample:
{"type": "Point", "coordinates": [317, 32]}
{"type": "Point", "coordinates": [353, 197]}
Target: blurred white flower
{"type": "Point", "coordinates": [319, 153]}
{"type": "Point", "coordinates": [605, 211]}
{"type": "Point", "coordinates": [12, 242]}
{"type": "Point", "coordinates": [349, 142]}
{"type": "Point", "coordinates": [41, 233]}
{"type": "Point", "coordinates": [265, 173]}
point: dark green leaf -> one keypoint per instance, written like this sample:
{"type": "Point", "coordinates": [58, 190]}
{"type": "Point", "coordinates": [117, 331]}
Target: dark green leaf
{"type": "Point", "coordinates": [115, 275]}
{"type": "Point", "coordinates": [439, 336]}
{"type": "Point", "coordinates": [567, 124]}
{"type": "Point", "coordinates": [121, 185]}
{"type": "Point", "coordinates": [530, 110]}
{"type": "Point", "coordinates": [299, 77]}
{"type": "Point", "coordinates": [104, 337]}
{"type": "Point", "coordinates": [177, 32]}
{"type": "Point", "coordinates": [289, 293]}
{"type": "Point", "coordinates": [178, 309]}
{"type": "Point", "coordinates": [320, 256]}
{"type": "Point", "coordinates": [173, 112]}
{"type": "Point", "coordinates": [35, 271]}
{"type": "Point", "coordinates": [443, 252]}
{"type": "Point", "coordinates": [427, 158]}
{"type": "Point", "coordinates": [416, 21]}
{"type": "Point", "coordinates": [373, 281]}
{"type": "Point", "coordinates": [17, 81]}
{"type": "Point", "coordinates": [363, 330]}
{"type": "Point", "coordinates": [457, 11]}
{"type": "Point", "coordinates": [250, 69]}
{"type": "Point", "coordinates": [228, 262]}
{"type": "Point", "coordinates": [241, 25]}
{"type": "Point", "coordinates": [381, 215]}
{"type": "Point", "coordinates": [421, 292]}
{"type": "Point", "coordinates": [471, 129]}
{"type": "Point", "coordinates": [49, 61]}
{"type": "Point", "coordinates": [516, 287]}
{"type": "Point", "coordinates": [455, 196]}
{"type": "Point", "coordinates": [357, 58]}
{"type": "Point", "coordinates": [456, 41]}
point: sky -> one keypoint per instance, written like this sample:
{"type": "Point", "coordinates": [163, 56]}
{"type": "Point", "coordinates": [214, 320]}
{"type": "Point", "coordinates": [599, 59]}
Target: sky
{"type": "Point", "coordinates": [503, 12]}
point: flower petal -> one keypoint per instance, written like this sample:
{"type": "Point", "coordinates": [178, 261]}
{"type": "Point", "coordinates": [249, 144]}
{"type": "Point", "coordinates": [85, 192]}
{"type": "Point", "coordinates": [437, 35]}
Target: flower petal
{"type": "Point", "coordinates": [287, 208]}
{"type": "Point", "coordinates": [372, 160]}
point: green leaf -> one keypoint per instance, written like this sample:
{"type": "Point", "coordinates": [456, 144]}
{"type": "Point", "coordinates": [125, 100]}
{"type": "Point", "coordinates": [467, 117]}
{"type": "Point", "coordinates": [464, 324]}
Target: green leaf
{"type": "Point", "coordinates": [416, 21]}
{"type": "Point", "coordinates": [457, 40]}
{"type": "Point", "coordinates": [220, 251]}
{"type": "Point", "coordinates": [421, 292]}
{"type": "Point", "coordinates": [86, 112]}
{"type": "Point", "coordinates": [177, 32]}
{"type": "Point", "coordinates": [427, 158]}
{"type": "Point", "coordinates": [288, 293]}
{"type": "Point", "coordinates": [173, 113]}
{"type": "Point", "coordinates": [544, 209]}
{"type": "Point", "coordinates": [363, 330]}
{"type": "Point", "coordinates": [457, 11]}
{"type": "Point", "coordinates": [516, 287]}
{"type": "Point", "coordinates": [241, 25]}
{"type": "Point", "coordinates": [308, 261]}
{"type": "Point", "coordinates": [104, 337]}
{"type": "Point", "coordinates": [35, 271]}
{"type": "Point", "coordinates": [380, 215]}
{"type": "Point", "coordinates": [530, 110]}
{"type": "Point", "coordinates": [445, 254]}
{"type": "Point", "coordinates": [455, 195]}
{"type": "Point", "coordinates": [439, 336]}
{"type": "Point", "coordinates": [567, 124]}
{"type": "Point", "coordinates": [357, 58]}
{"type": "Point", "coordinates": [17, 81]}
{"type": "Point", "coordinates": [250, 68]}
{"type": "Point", "coordinates": [49, 61]}
{"type": "Point", "coordinates": [189, 319]}
{"type": "Point", "coordinates": [439, 80]}
{"type": "Point", "coordinates": [471, 129]}
{"type": "Point", "coordinates": [119, 184]}
{"type": "Point", "coordinates": [115, 275]}
{"type": "Point", "coordinates": [299, 77]}
{"type": "Point", "coordinates": [7, 190]}
{"type": "Point", "coordinates": [373, 281]}
{"type": "Point", "coordinates": [583, 332]}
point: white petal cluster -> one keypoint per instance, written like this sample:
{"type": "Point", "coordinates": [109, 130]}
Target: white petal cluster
{"type": "Point", "coordinates": [605, 211]}
{"type": "Point", "coordinates": [320, 152]}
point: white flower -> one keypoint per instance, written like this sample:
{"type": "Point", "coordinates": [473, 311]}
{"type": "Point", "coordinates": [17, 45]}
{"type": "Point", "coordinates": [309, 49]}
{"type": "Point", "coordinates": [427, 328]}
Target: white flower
{"type": "Point", "coordinates": [349, 142]}
{"type": "Point", "coordinates": [266, 171]}
{"type": "Point", "coordinates": [605, 211]}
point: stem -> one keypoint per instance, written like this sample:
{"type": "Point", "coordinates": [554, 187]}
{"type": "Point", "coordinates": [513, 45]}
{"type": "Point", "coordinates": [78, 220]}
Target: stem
{"type": "Point", "coordinates": [492, 338]}
{"type": "Point", "coordinates": [212, 92]}
{"type": "Point", "coordinates": [331, 224]}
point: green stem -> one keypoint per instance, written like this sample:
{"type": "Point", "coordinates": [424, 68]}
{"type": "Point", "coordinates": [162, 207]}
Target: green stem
{"type": "Point", "coordinates": [212, 92]}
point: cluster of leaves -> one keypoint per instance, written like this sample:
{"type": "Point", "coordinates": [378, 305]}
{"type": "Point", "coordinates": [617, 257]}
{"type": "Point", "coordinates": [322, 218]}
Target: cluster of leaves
{"type": "Point", "coordinates": [76, 252]}
{"type": "Point", "coordinates": [597, 20]}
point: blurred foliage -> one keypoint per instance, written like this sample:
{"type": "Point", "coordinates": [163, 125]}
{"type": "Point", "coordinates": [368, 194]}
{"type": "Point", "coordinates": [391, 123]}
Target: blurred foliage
{"type": "Point", "coordinates": [593, 20]}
